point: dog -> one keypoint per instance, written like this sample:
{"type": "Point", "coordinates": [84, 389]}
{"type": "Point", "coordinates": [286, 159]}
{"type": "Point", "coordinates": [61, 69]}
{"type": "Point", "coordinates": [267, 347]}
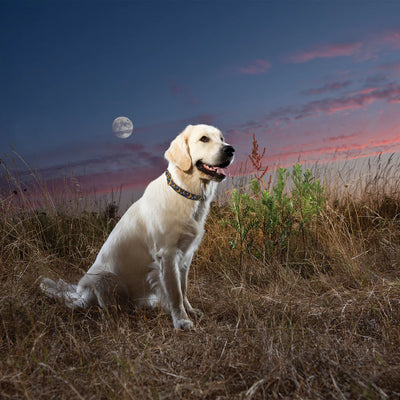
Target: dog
{"type": "Point", "coordinates": [147, 256]}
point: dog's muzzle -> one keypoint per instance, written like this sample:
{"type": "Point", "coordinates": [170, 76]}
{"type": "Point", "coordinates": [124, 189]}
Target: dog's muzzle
{"type": "Point", "coordinates": [215, 171]}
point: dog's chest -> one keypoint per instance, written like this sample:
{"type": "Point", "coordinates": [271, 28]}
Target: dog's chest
{"type": "Point", "coordinates": [200, 212]}
{"type": "Point", "coordinates": [193, 231]}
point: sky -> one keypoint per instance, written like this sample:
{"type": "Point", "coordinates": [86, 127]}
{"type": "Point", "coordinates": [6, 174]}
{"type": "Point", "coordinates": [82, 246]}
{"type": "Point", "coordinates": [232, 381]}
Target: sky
{"type": "Point", "coordinates": [313, 80]}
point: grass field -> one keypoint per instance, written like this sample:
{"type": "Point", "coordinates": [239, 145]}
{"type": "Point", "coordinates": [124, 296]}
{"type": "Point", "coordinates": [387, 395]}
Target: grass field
{"type": "Point", "coordinates": [312, 315]}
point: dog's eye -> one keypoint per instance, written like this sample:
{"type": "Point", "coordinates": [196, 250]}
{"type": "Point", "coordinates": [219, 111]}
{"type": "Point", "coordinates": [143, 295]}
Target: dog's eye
{"type": "Point", "coordinates": [204, 139]}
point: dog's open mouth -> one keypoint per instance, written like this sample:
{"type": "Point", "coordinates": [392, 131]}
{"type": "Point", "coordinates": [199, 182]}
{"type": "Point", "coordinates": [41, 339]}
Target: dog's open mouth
{"type": "Point", "coordinates": [215, 171]}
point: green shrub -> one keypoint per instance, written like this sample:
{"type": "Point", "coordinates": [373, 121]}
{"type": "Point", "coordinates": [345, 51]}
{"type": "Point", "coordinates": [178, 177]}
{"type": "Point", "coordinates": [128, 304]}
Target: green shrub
{"type": "Point", "coordinates": [266, 220]}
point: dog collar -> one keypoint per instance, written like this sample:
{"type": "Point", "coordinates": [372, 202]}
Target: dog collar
{"type": "Point", "coordinates": [181, 191]}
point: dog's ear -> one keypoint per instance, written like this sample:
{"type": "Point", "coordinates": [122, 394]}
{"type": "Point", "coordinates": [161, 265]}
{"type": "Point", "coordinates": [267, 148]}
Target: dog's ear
{"type": "Point", "coordinates": [178, 152]}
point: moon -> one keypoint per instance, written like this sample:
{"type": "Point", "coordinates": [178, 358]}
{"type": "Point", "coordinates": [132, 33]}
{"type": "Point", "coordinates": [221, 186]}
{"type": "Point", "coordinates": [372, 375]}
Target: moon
{"type": "Point", "coordinates": [122, 127]}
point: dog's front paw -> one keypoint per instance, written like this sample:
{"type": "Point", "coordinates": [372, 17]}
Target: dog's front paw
{"type": "Point", "coordinates": [185, 324]}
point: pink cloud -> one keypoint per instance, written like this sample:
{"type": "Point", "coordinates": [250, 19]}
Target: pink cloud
{"type": "Point", "coordinates": [340, 138]}
{"type": "Point", "coordinates": [327, 88]}
{"type": "Point", "coordinates": [78, 183]}
{"type": "Point", "coordinates": [330, 152]}
{"type": "Point", "coordinates": [322, 140]}
{"type": "Point", "coordinates": [101, 167]}
{"type": "Point", "coordinates": [363, 50]}
{"type": "Point", "coordinates": [385, 142]}
{"type": "Point", "coordinates": [329, 50]}
{"type": "Point", "coordinates": [389, 93]}
{"type": "Point", "coordinates": [255, 68]}
{"type": "Point", "coordinates": [111, 167]}
{"type": "Point", "coordinates": [364, 91]}
{"type": "Point", "coordinates": [389, 38]}
{"type": "Point", "coordinates": [124, 179]}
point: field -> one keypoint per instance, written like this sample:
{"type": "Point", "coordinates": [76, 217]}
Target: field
{"type": "Point", "coordinates": [301, 299]}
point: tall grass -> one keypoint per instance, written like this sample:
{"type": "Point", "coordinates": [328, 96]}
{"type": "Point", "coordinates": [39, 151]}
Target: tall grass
{"type": "Point", "coordinates": [316, 316]}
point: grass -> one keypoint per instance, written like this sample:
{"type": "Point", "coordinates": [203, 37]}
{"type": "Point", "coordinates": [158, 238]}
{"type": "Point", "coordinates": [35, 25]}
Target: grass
{"type": "Point", "coordinates": [321, 320]}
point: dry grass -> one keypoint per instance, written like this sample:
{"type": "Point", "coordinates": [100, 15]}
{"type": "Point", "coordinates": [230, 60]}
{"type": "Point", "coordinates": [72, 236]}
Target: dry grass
{"type": "Point", "coordinates": [321, 322]}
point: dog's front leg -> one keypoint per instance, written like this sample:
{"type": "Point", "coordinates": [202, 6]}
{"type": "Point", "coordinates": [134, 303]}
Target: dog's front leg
{"type": "Point", "coordinates": [184, 272]}
{"type": "Point", "coordinates": [171, 283]}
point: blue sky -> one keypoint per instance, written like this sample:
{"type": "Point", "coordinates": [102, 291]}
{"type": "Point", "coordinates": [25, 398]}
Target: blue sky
{"type": "Point", "coordinates": [319, 79]}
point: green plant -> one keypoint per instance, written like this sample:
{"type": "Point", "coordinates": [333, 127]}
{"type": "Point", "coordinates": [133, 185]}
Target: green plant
{"type": "Point", "coordinates": [284, 214]}
{"type": "Point", "coordinates": [243, 221]}
{"type": "Point", "coordinates": [275, 212]}
{"type": "Point", "coordinates": [266, 220]}
{"type": "Point", "coordinates": [308, 197]}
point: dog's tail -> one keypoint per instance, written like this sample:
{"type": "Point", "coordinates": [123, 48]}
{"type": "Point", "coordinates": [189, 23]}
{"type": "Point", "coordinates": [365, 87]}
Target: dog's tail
{"type": "Point", "coordinates": [64, 292]}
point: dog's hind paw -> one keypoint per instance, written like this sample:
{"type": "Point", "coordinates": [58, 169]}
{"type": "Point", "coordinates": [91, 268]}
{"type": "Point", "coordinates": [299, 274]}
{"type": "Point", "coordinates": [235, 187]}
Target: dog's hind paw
{"type": "Point", "coordinates": [49, 287]}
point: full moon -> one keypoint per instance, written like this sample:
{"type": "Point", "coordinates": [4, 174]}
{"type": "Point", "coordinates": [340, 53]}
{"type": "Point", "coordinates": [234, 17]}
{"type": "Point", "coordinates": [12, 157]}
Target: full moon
{"type": "Point", "coordinates": [122, 127]}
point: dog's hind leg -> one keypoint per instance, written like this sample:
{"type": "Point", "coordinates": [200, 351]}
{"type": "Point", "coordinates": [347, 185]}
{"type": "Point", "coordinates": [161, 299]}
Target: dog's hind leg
{"type": "Point", "coordinates": [67, 293]}
{"type": "Point", "coordinates": [104, 288]}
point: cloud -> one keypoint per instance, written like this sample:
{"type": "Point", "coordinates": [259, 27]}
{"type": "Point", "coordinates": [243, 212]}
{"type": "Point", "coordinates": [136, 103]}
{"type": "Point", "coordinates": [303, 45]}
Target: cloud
{"type": "Point", "coordinates": [388, 38]}
{"type": "Point", "coordinates": [389, 93]}
{"type": "Point", "coordinates": [322, 139]}
{"type": "Point", "coordinates": [392, 66]}
{"type": "Point", "coordinates": [328, 50]}
{"type": "Point", "coordinates": [308, 122]}
{"type": "Point", "coordinates": [340, 138]}
{"type": "Point", "coordinates": [329, 87]}
{"type": "Point", "coordinates": [183, 93]}
{"type": "Point", "coordinates": [365, 49]}
{"type": "Point", "coordinates": [257, 67]}
{"type": "Point", "coordinates": [90, 158]}
{"type": "Point", "coordinates": [307, 152]}
{"type": "Point", "coordinates": [169, 129]}
{"type": "Point", "coordinates": [376, 79]}
{"type": "Point", "coordinates": [103, 166]}
{"type": "Point", "coordinates": [102, 182]}
{"type": "Point", "coordinates": [112, 166]}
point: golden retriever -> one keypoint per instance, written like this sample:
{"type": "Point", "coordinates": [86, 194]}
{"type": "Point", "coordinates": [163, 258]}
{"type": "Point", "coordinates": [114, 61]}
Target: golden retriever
{"type": "Point", "coordinates": [147, 256]}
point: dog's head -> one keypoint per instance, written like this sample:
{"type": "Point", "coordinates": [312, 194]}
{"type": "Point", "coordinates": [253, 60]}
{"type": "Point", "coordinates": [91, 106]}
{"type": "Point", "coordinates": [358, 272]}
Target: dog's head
{"type": "Point", "coordinates": [201, 149]}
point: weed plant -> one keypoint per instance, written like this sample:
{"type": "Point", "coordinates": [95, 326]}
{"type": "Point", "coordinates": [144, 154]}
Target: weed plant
{"type": "Point", "coordinates": [299, 285]}
{"type": "Point", "coordinates": [275, 217]}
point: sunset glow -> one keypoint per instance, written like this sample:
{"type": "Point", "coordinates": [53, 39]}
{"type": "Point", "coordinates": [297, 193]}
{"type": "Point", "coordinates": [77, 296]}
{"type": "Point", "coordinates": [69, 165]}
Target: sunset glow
{"type": "Point", "coordinates": [315, 82]}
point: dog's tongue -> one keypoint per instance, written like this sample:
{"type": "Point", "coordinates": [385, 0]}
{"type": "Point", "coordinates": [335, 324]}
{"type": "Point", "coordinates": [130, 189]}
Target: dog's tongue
{"type": "Point", "coordinates": [217, 170]}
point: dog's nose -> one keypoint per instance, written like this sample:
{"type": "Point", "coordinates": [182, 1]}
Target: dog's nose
{"type": "Point", "coordinates": [228, 150]}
